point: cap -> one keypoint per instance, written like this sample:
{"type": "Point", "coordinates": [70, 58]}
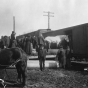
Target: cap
{"type": "Point", "coordinates": [13, 32]}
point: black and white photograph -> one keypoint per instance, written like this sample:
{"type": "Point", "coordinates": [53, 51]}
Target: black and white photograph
{"type": "Point", "coordinates": [43, 43]}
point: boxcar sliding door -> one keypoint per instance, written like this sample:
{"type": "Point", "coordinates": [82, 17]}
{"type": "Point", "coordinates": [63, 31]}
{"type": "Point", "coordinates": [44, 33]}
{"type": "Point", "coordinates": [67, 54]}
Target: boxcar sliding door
{"type": "Point", "coordinates": [86, 35]}
{"type": "Point", "coordinates": [79, 41]}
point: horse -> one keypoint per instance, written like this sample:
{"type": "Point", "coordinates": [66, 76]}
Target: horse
{"type": "Point", "coordinates": [57, 41]}
{"type": "Point", "coordinates": [15, 56]}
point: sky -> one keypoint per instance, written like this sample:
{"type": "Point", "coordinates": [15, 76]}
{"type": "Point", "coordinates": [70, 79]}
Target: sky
{"type": "Point", "coordinates": [29, 15]}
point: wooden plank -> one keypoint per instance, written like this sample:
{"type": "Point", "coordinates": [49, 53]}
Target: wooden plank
{"type": "Point", "coordinates": [79, 62]}
{"type": "Point", "coordinates": [48, 56]}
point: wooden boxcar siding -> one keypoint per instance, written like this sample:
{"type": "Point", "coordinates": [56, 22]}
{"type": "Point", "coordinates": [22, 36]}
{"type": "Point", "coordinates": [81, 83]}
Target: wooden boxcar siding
{"type": "Point", "coordinates": [86, 35]}
{"type": "Point", "coordinates": [79, 40]}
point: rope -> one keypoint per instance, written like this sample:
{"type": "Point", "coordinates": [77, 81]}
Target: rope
{"type": "Point", "coordinates": [6, 74]}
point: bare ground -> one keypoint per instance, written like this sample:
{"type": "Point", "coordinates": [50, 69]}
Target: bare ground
{"type": "Point", "coordinates": [50, 78]}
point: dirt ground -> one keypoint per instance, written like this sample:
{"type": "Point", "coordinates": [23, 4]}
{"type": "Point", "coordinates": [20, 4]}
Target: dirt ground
{"type": "Point", "coordinates": [50, 78]}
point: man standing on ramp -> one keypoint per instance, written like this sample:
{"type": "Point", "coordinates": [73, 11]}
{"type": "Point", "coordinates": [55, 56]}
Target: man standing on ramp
{"type": "Point", "coordinates": [41, 51]}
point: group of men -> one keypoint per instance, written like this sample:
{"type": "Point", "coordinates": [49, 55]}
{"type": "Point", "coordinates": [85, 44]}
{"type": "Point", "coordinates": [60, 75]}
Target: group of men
{"type": "Point", "coordinates": [25, 43]}
{"type": "Point", "coordinates": [8, 41]}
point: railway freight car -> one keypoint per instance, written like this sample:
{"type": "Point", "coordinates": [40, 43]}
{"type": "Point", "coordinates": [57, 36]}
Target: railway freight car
{"type": "Point", "coordinates": [78, 37]}
{"type": "Point", "coordinates": [78, 40]}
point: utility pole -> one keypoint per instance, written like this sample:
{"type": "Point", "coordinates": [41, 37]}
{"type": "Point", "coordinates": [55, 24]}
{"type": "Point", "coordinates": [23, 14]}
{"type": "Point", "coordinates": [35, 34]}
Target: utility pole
{"type": "Point", "coordinates": [49, 15]}
{"type": "Point", "coordinates": [14, 23]}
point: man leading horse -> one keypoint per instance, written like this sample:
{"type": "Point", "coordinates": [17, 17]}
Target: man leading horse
{"type": "Point", "coordinates": [41, 51]}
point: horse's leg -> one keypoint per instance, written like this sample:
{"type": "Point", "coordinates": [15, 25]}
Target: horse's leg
{"type": "Point", "coordinates": [24, 72]}
{"type": "Point", "coordinates": [19, 75]}
{"type": "Point", "coordinates": [24, 76]}
{"type": "Point", "coordinates": [19, 72]}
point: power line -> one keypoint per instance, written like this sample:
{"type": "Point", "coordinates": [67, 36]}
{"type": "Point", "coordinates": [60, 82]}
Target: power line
{"type": "Point", "coordinates": [50, 14]}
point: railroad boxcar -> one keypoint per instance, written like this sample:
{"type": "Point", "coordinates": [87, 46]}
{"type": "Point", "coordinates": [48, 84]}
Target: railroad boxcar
{"type": "Point", "coordinates": [78, 39]}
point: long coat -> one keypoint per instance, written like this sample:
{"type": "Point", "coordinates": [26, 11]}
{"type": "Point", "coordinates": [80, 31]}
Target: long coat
{"type": "Point", "coordinates": [14, 43]}
{"type": "Point", "coordinates": [12, 36]}
{"type": "Point", "coordinates": [41, 40]}
{"type": "Point", "coordinates": [24, 44]}
{"type": "Point", "coordinates": [2, 44]}
{"type": "Point", "coordinates": [34, 41]}
{"type": "Point", "coordinates": [28, 46]}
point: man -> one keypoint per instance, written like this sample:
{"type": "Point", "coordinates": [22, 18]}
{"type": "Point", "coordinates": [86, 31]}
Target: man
{"type": "Point", "coordinates": [61, 57]}
{"type": "Point", "coordinates": [28, 45]}
{"type": "Point", "coordinates": [2, 42]}
{"type": "Point", "coordinates": [68, 56]}
{"type": "Point", "coordinates": [7, 41]}
{"type": "Point", "coordinates": [41, 41]}
{"type": "Point", "coordinates": [34, 41]}
{"type": "Point", "coordinates": [12, 37]}
{"type": "Point", "coordinates": [41, 51]}
{"type": "Point", "coordinates": [24, 44]}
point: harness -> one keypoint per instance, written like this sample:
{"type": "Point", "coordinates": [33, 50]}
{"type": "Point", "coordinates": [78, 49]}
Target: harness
{"type": "Point", "coordinates": [11, 64]}
{"type": "Point", "coordinates": [2, 80]}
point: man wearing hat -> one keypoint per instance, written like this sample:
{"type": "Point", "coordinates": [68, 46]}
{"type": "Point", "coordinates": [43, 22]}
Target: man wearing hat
{"type": "Point", "coordinates": [61, 57]}
{"type": "Point", "coordinates": [68, 56]}
{"type": "Point", "coordinates": [41, 51]}
{"type": "Point", "coordinates": [12, 37]}
{"type": "Point", "coordinates": [41, 41]}
{"type": "Point", "coordinates": [28, 45]}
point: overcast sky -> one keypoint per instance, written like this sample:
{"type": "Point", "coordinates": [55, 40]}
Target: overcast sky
{"type": "Point", "coordinates": [29, 14]}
